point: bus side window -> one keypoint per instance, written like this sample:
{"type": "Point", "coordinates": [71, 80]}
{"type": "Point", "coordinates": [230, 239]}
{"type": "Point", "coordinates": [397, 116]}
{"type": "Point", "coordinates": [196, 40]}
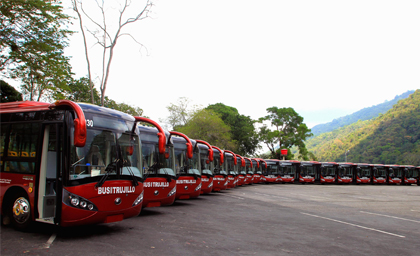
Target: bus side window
{"type": "Point", "coordinates": [22, 143]}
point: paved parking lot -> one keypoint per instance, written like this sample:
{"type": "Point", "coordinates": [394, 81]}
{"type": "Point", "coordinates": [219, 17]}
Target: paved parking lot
{"type": "Point", "coordinates": [251, 220]}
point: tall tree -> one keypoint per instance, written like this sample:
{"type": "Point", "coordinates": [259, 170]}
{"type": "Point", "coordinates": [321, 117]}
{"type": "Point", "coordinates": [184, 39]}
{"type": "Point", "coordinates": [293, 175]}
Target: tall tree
{"type": "Point", "coordinates": [289, 130]}
{"type": "Point", "coordinates": [180, 113]}
{"type": "Point", "coordinates": [242, 128]}
{"type": "Point", "coordinates": [105, 38]}
{"type": "Point", "coordinates": [208, 126]}
{"type": "Point", "coordinates": [32, 42]}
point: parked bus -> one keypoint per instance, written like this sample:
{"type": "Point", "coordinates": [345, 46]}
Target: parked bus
{"type": "Point", "coordinates": [289, 171]}
{"type": "Point", "coordinates": [249, 172]}
{"type": "Point", "coordinates": [309, 172]}
{"type": "Point", "coordinates": [394, 174]}
{"type": "Point", "coordinates": [263, 169]}
{"type": "Point", "coordinates": [271, 174]}
{"type": "Point", "coordinates": [68, 164]}
{"type": "Point", "coordinates": [188, 183]}
{"type": "Point", "coordinates": [328, 173]}
{"type": "Point", "coordinates": [379, 174]}
{"type": "Point", "coordinates": [206, 157]}
{"type": "Point", "coordinates": [158, 165]}
{"type": "Point", "coordinates": [241, 167]}
{"type": "Point", "coordinates": [230, 167]}
{"type": "Point", "coordinates": [364, 173]}
{"type": "Point", "coordinates": [256, 171]}
{"type": "Point", "coordinates": [345, 173]}
{"type": "Point", "coordinates": [411, 175]}
{"type": "Point", "coordinates": [220, 180]}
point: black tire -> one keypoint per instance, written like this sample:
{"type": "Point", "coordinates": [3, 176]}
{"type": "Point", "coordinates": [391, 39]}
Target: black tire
{"type": "Point", "coordinates": [19, 211]}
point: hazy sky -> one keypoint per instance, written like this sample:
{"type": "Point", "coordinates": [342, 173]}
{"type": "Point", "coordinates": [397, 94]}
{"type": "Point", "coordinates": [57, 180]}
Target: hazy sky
{"type": "Point", "coordinates": [325, 59]}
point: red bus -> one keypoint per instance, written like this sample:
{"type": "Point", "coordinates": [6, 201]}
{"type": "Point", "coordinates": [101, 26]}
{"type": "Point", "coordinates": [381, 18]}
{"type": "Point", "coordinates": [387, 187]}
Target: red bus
{"type": "Point", "coordinates": [256, 170]}
{"type": "Point", "coordinates": [220, 179]}
{"type": "Point", "coordinates": [364, 173]}
{"type": "Point", "coordinates": [328, 172]}
{"type": "Point", "coordinates": [188, 183]}
{"type": "Point", "coordinates": [271, 174]}
{"type": "Point", "coordinates": [249, 172]}
{"type": "Point", "coordinates": [345, 173]}
{"type": "Point", "coordinates": [309, 172]}
{"type": "Point", "coordinates": [288, 171]}
{"type": "Point", "coordinates": [379, 174]}
{"type": "Point", "coordinates": [206, 157]}
{"type": "Point", "coordinates": [241, 170]}
{"type": "Point", "coordinates": [68, 164]}
{"type": "Point", "coordinates": [262, 169]}
{"type": "Point", "coordinates": [411, 175]}
{"type": "Point", "coordinates": [230, 167]}
{"type": "Point", "coordinates": [394, 174]}
{"type": "Point", "coordinates": [158, 165]}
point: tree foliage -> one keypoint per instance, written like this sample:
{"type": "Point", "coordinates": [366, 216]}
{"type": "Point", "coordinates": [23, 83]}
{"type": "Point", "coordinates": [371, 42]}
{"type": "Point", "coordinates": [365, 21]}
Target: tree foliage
{"type": "Point", "coordinates": [208, 126]}
{"type": "Point", "coordinates": [289, 130]}
{"type": "Point", "coordinates": [180, 113]}
{"type": "Point", "coordinates": [8, 93]}
{"type": "Point", "coordinates": [242, 129]}
{"type": "Point", "coordinates": [32, 42]}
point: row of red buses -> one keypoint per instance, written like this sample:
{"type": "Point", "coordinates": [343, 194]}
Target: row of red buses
{"type": "Point", "coordinates": [68, 164]}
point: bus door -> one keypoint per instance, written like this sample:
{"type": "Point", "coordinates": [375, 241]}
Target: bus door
{"type": "Point", "coordinates": [49, 182]}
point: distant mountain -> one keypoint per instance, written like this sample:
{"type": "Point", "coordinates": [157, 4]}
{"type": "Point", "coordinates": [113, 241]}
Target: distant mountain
{"type": "Point", "coordinates": [364, 114]}
{"type": "Point", "coordinates": [391, 138]}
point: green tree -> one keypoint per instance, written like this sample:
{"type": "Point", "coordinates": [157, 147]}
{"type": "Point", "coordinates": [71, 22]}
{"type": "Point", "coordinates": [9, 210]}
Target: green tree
{"type": "Point", "coordinates": [32, 42]}
{"type": "Point", "coordinates": [289, 130]}
{"type": "Point", "coordinates": [242, 128]}
{"type": "Point", "coordinates": [80, 91]}
{"type": "Point", "coordinates": [8, 93]}
{"type": "Point", "coordinates": [208, 126]}
{"type": "Point", "coordinates": [180, 113]}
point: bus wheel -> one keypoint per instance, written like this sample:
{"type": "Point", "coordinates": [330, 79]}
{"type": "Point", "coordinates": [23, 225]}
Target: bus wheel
{"type": "Point", "coordinates": [20, 211]}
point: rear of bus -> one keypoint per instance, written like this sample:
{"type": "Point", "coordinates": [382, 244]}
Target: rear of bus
{"type": "Point", "coordinates": [379, 174]}
{"type": "Point", "coordinates": [158, 164]}
{"type": "Point", "coordinates": [411, 175]}
{"type": "Point", "coordinates": [272, 173]}
{"type": "Point", "coordinates": [394, 174]}
{"type": "Point", "coordinates": [69, 164]}
{"type": "Point", "coordinates": [288, 171]}
{"type": "Point", "coordinates": [309, 172]}
{"type": "Point", "coordinates": [328, 172]}
{"type": "Point", "coordinates": [345, 174]}
{"type": "Point", "coordinates": [364, 173]}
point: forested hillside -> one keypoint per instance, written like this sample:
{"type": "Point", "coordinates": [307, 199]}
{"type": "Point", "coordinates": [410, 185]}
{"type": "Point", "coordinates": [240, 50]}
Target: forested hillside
{"type": "Point", "coordinates": [363, 114]}
{"type": "Point", "coordinates": [393, 137]}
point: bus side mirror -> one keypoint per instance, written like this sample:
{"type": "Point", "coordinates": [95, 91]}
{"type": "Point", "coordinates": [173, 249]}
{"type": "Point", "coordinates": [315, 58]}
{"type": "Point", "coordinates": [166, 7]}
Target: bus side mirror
{"type": "Point", "coordinates": [162, 142]}
{"type": "Point", "coordinates": [210, 155]}
{"type": "Point", "coordinates": [189, 150]}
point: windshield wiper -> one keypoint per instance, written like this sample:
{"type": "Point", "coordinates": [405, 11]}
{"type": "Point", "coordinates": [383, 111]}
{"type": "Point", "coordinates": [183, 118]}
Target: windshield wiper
{"type": "Point", "coordinates": [135, 182]}
{"type": "Point", "coordinates": [111, 167]}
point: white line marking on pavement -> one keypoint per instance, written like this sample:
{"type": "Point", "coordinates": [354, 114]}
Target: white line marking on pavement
{"type": "Point", "coordinates": [390, 216]}
{"type": "Point", "coordinates": [50, 241]}
{"type": "Point", "coordinates": [354, 225]}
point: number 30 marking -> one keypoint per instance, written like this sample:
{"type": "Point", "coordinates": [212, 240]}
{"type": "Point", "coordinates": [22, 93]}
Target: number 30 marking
{"type": "Point", "coordinates": [89, 123]}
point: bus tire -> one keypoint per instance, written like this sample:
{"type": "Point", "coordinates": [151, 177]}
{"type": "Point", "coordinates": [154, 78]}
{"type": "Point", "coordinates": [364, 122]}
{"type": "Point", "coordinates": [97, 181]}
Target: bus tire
{"type": "Point", "coordinates": [19, 211]}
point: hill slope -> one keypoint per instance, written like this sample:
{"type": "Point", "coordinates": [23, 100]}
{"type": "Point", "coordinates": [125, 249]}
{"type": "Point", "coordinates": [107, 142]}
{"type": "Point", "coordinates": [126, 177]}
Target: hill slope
{"type": "Point", "coordinates": [363, 114]}
{"type": "Point", "coordinates": [392, 138]}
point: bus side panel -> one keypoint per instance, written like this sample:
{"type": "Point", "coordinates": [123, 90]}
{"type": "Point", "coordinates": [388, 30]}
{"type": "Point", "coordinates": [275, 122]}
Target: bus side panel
{"type": "Point", "coordinates": [20, 183]}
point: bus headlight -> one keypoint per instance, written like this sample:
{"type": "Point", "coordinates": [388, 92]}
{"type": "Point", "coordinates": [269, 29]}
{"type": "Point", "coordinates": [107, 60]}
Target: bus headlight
{"type": "Point", "coordinates": [77, 201]}
{"type": "Point", "coordinates": [211, 184]}
{"type": "Point", "coordinates": [198, 187]}
{"type": "Point", "coordinates": [139, 199]}
{"type": "Point", "coordinates": [173, 191]}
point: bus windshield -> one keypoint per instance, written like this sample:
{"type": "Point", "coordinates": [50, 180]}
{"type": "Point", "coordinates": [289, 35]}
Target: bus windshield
{"type": "Point", "coordinates": [288, 170]}
{"type": "Point", "coordinates": [105, 151]}
{"type": "Point", "coordinates": [308, 170]}
{"type": "Point", "coordinates": [345, 171]}
{"type": "Point", "coordinates": [328, 171]}
{"type": "Point", "coordinates": [155, 163]}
